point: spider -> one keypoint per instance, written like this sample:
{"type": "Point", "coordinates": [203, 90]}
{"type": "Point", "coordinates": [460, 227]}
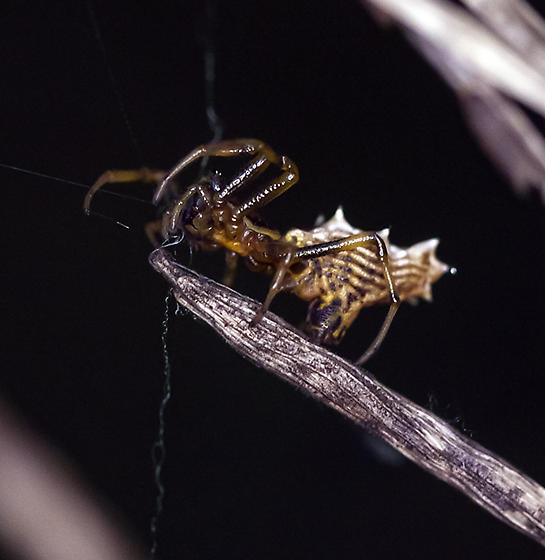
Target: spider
{"type": "Point", "coordinates": [335, 267]}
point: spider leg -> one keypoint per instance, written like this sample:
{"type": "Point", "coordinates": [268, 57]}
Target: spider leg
{"type": "Point", "coordinates": [143, 175]}
{"type": "Point", "coordinates": [256, 166]}
{"type": "Point", "coordinates": [157, 230]}
{"type": "Point", "coordinates": [276, 285]}
{"type": "Point", "coordinates": [172, 214]}
{"type": "Point", "coordinates": [272, 189]}
{"type": "Point", "coordinates": [363, 239]}
{"type": "Point", "coordinates": [226, 148]}
{"type": "Point", "coordinates": [375, 345]}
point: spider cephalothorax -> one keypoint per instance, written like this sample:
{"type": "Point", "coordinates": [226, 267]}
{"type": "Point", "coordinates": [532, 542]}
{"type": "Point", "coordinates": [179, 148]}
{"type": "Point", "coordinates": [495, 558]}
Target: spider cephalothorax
{"type": "Point", "coordinates": [335, 267]}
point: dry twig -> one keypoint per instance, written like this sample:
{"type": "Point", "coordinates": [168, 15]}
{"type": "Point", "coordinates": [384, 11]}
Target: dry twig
{"type": "Point", "coordinates": [422, 437]}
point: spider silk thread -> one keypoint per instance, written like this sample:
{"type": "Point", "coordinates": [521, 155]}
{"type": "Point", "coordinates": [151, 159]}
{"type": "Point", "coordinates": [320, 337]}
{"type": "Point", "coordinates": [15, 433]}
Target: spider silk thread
{"type": "Point", "coordinates": [158, 450]}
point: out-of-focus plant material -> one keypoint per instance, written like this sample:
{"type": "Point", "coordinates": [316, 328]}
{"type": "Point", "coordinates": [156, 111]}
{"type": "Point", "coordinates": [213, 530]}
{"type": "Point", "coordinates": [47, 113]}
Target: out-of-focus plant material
{"type": "Point", "coordinates": [508, 136]}
{"type": "Point", "coordinates": [491, 65]}
{"type": "Point", "coordinates": [517, 23]}
{"type": "Point", "coordinates": [45, 511]}
{"type": "Point", "coordinates": [504, 131]}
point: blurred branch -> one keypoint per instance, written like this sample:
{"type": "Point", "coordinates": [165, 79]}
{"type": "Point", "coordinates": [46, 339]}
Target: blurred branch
{"type": "Point", "coordinates": [491, 63]}
{"type": "Point", "coordinates": [516, 23]}
{"type": "Point", "coordinates": [427, 440]}
{"type": "Point", "coordinates": [45, 512]}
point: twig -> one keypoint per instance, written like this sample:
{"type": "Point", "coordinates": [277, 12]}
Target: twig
{"type": "Point", "coordinates": [422, 437]}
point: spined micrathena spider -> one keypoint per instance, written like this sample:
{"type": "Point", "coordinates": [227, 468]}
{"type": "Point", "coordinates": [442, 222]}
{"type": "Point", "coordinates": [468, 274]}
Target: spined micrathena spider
{"type": "Point", "coordinates": [337, 268]}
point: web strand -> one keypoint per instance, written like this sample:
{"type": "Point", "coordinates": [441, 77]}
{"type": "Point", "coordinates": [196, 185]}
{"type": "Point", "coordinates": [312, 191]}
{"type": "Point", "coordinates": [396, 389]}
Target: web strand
{"type": "Point", "coordinates": [159, 446]}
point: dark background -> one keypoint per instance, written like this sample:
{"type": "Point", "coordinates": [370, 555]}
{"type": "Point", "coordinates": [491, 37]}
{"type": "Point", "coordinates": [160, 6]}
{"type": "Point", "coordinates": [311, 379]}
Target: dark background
{"type": "Point", "coordinates": [256, 469]}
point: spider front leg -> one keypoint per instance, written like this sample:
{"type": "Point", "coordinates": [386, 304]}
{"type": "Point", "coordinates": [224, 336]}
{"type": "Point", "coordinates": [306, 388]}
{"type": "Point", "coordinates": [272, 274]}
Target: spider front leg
{"type": "Point", "coordinates": [273, 189]}
{"type": "Point", "coordinates": [143, 175]}
{"type": "Point", "coordinates": [363, 239]}
{"type": "Point", "coordinates": [264, 156]}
